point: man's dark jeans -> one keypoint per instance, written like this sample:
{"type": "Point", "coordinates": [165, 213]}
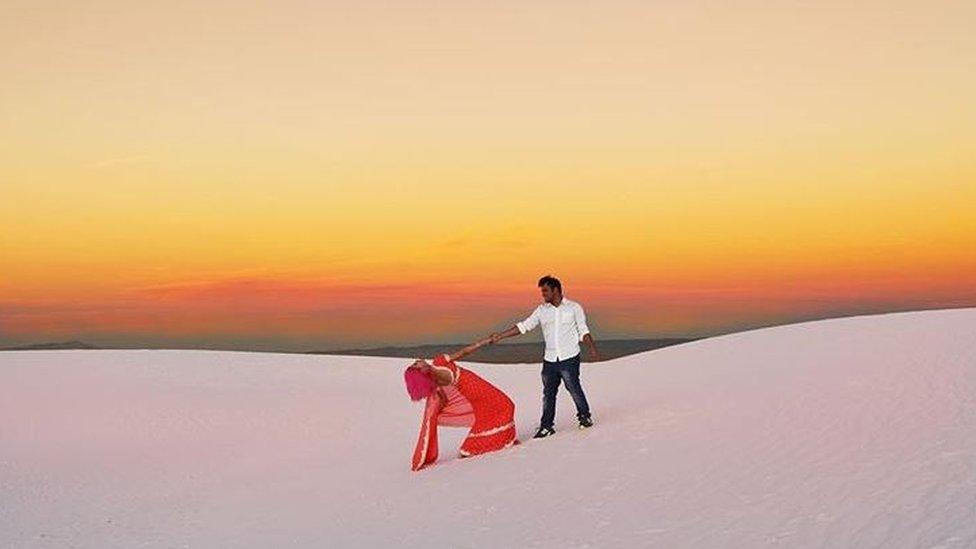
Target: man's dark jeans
{"type": "Point", "coordinates": [553, 373]}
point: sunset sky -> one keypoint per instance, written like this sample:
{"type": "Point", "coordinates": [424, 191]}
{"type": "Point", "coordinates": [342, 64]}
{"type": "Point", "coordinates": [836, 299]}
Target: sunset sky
{"type": "Point", "coordinates": [321, 175]}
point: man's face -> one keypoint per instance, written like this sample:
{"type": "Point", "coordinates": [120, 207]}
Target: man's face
{"type": "Point", "coordinates": [548, 294]}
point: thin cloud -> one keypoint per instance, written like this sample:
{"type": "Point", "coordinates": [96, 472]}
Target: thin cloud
{"type": "Point", "coordinates": [120, 161]}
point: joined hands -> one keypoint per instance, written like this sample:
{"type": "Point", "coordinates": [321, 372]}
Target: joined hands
{"type": "Point", "coordinates": [493, 338]}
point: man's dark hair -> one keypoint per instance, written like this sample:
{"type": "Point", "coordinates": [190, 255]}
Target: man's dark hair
{"type": "Point", "coordinates": [552, 282]}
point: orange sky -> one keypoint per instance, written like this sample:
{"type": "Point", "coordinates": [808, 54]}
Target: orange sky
{"type": "Point", "coordinates": [322, 175]}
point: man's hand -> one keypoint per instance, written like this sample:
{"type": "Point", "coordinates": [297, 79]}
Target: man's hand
{"type": "Point", "coordinates": [498, 336]}
{"type": "Point", "coordinates": [594, 354]}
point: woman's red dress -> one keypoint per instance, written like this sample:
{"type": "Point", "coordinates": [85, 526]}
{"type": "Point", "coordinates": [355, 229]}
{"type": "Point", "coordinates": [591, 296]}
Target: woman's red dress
{"type": "Point", "coordinates": [471, 401]}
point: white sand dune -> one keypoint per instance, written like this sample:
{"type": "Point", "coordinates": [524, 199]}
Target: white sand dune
{"type": "Point", "coordinates": [853, 432]}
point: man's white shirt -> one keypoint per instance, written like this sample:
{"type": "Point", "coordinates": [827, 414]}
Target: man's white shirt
{"type": "Point", "coordinates": [563, 327]}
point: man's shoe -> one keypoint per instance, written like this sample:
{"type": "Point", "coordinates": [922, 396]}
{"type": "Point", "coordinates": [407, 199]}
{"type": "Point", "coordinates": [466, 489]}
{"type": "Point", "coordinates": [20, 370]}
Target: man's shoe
{"type": "Point", "coordinates": [585, 423]}
{"type": "Point", "coordinates": [544, 432]}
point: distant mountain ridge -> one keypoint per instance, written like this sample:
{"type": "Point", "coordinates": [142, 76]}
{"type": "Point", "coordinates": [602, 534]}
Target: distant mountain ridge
{"type": "Point", "coordinates": [74, 344]}
{"type": "Point", "coordinates": [508, 353]}
{"type": "Point", "coordinates": [503, 353]}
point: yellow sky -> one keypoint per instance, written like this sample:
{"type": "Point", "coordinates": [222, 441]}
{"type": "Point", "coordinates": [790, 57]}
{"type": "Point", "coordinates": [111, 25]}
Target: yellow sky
{"type": "Point", "coordinates": [664, 148]}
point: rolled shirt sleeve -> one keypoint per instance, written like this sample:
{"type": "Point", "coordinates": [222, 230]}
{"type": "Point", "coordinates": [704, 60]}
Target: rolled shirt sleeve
{"type": "Point", "coordinates": [529, 323]}
{"type": "Point", "coordinates": [581, 326]}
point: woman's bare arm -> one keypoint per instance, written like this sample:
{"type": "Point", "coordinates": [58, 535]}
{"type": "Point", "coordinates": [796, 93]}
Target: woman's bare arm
{"type": "Point", "coordinates": [441, 376]}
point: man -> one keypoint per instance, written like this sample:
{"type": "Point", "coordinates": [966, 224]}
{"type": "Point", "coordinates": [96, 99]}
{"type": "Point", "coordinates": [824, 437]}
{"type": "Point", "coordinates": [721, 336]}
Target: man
{"type": "Point", "coordinates": [563, 327]}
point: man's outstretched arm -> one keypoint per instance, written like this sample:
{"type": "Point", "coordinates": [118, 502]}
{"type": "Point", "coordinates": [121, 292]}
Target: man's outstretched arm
{"type": "Point", "coordinates": [458, 355]}
{"type": "Point", "coordinates": [519, 328]}
{"type": "Point", "coordinates": [511, 332]}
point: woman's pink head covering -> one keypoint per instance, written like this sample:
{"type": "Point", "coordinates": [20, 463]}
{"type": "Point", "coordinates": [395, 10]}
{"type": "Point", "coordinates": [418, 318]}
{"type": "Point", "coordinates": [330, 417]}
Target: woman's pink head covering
{"type": "Point", "coordinates": [419, 384]}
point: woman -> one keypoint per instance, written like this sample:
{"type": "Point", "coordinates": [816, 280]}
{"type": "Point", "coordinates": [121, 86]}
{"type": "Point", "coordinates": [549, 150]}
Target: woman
{"type": "Point", "coordinates": [457, 397]}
